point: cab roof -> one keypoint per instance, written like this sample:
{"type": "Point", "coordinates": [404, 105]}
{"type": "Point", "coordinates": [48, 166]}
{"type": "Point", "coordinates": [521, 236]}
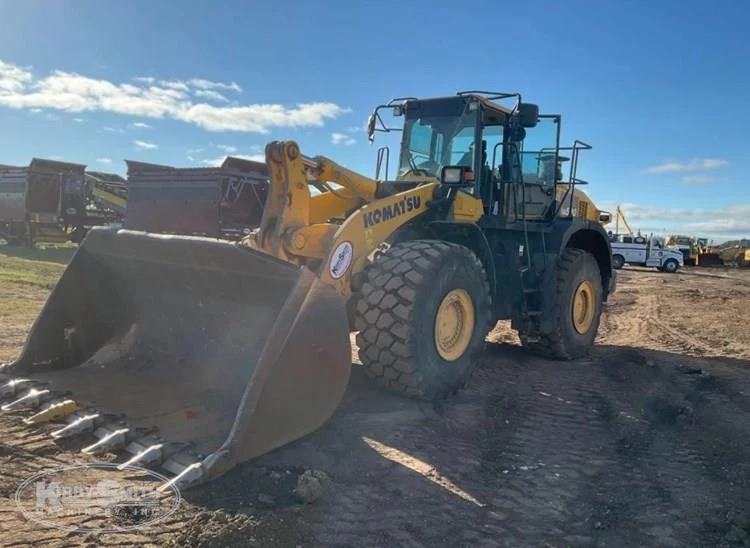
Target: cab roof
{"type": "Point", "coordinates": [488, 99]}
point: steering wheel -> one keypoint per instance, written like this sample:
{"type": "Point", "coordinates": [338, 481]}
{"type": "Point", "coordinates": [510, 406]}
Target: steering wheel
{"type": "Point", "coordinates": [425, 168]}
{"type": "Point", "coordinates": [417, 171]}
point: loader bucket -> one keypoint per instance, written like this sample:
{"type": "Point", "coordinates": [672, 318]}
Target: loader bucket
{"type": "Point", "coordinates": [204, 352]}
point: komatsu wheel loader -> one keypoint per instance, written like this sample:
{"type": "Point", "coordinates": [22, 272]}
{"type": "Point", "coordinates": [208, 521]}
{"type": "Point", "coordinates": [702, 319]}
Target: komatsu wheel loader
{"type": "Point", "coordinates": [191, 354]}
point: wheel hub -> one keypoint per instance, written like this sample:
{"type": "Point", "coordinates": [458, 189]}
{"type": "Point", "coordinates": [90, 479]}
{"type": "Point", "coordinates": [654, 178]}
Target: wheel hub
{"type": "Point", "coordinates": [584, 307]}
{"type": "Point", "coordinates": [454, 324]}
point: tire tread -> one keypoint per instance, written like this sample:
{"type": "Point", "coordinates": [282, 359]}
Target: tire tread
{"type": "Point", "coordinates": [390, 291]}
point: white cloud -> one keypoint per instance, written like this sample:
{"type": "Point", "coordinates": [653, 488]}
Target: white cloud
{"type": "Point", "coordinates": [13, 79]}
{"type": "Point", "coordinates": [174, 84]}
{"type": "Point", "coordinates": [720, 223]}
{"type": "Point", "coordinates": [150, 98]}
{"type": "Point", "coordinates": [53, 117]}
{"type": "Point", "coordinates": [140, 125]}
{"type": "Point", "coordinates": [215, 162]}
{"type": "Point", "coordinates": [35, 110]}
{"type": "Point", "coordinates": [227, 148]}
{"type": "Point", "coordinates": [695, 164]}
{"type": "Point", "coordinates": [111, 129]}
{"type": "Point", "coordinates": [207, 84]}
{"type": "Point", "coordinates": [342, 139]}
{"type": "Point", "coordinates": [258, 118]}
{"type": "Point", "coordinates": [145, 145]}
{"type": "Point", "coordinates": [79, 120]}
{"type": "Point", "coordinates": [212, 95]}
{"type": "Point", "coordinates": [104, 161]}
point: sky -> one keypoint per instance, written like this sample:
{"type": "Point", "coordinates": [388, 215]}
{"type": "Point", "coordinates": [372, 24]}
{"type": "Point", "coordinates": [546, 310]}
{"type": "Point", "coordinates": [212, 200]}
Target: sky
{"type": "Point", "coordinates": [657, 88]}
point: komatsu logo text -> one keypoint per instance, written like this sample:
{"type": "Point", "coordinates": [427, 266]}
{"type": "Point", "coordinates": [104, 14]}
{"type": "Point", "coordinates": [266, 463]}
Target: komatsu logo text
{"type": "Point", "coordinates": [377, 216]}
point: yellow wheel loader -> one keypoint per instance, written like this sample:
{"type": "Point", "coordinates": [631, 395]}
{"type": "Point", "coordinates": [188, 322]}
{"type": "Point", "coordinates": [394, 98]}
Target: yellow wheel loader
{"type": "Point", "coordinates": [191, 354]}
{"type": "Point", "coordinates": [737, 254]}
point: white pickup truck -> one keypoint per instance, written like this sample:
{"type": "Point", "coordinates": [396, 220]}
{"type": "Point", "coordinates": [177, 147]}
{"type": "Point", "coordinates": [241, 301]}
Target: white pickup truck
{"type": "Point", "coordinates": [637, 250]}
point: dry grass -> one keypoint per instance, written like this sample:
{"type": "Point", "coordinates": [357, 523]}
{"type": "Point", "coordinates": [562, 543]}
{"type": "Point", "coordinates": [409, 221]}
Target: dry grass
{"type": "Point", "coordinates": [26, 278]}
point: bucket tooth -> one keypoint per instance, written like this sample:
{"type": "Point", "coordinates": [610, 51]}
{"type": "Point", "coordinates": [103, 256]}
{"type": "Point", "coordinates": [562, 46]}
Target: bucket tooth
{"type": "Point", "coordinates": [189, 475]}
{"type": "Point", "coordinates": [153, 449]}
{"type": "Point", "coordinates": [33, 398]}
{"type": "Point", "coordinates": [189, 468]}
{"type": "Point", "coordinates": [83, 423]}
{"type": "Point", "coordinates": [151, 454]}
{"type": "Point", "coordinates": [113, 440]}
{"type": "Point", "coordinates": [11, 387]}
{"type": "Point", "coordinates": [57, 410]}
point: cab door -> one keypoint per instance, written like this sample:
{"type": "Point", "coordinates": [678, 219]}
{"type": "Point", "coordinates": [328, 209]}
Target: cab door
{"type": "Point", "coordinates": [655, 254]}
{"type": "Point", "coordinates": [540, 167]}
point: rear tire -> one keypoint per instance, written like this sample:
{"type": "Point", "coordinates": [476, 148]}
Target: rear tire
{"type": "Point", "coordinates": [398, 302]}
{"type": "Point", "coordinates": [574, 330]}
{"type": "Point", "coordinates": [618, 261]}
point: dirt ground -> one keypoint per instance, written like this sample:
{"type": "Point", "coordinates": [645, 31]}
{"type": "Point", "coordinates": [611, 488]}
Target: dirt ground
{"type": "Point", "coordinates": [643, 444]}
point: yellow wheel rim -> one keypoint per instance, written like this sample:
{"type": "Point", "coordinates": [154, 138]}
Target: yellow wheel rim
{"type": "Point", "coordinates": [584, 307]}
{"type": "Point", "coordinates": [454, 325]}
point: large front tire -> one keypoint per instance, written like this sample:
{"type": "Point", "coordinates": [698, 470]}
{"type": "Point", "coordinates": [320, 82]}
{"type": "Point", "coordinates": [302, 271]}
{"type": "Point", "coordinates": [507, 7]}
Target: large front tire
{"type": "Point", "coordinates": [422, 312]}
{"type": "Point", "coordinates": [576, 310]}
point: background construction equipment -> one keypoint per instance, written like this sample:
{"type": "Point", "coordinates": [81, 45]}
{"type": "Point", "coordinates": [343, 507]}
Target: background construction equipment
{"type": "Point", "coordinates": [51, 201]}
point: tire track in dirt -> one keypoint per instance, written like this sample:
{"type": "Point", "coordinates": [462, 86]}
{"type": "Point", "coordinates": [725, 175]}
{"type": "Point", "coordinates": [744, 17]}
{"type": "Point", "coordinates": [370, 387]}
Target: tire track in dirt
{"type": "Point", "coordinates": [618, 322]}
{"type": "Point", "coordinates": [635, 317]}
{"type": "Point", "coordinates": [665, 337]}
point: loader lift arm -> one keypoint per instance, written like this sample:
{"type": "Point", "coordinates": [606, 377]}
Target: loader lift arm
{"type": "Point", "coordinates": [340, 226]}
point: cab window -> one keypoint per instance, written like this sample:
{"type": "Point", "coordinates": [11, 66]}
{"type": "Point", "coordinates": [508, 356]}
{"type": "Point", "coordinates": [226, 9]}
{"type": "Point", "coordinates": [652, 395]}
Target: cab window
{"type": "Point", "coordinates": [462, 148]}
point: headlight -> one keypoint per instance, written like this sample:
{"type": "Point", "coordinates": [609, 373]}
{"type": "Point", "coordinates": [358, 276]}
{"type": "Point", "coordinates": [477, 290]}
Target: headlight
{"type": "Point", "coordinates": [456, 175]}
{"type": "Point", "coordinates": [451, 175]}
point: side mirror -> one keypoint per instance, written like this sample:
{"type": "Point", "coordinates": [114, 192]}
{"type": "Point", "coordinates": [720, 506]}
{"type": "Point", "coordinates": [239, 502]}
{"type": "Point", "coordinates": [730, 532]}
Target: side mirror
{"type": "Point", "coordinates": [528, 114]}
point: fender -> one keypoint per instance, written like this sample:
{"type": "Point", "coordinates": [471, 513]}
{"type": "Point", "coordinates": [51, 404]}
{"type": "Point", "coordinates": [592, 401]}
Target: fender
{"type": "Point", "coordinates": [590, 236]}
{"type": "Point", "coordinates": [471, 236]}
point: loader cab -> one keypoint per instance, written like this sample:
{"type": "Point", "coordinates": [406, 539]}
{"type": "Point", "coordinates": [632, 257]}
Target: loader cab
{"type": "Point", "coordinates": [506, 155]}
